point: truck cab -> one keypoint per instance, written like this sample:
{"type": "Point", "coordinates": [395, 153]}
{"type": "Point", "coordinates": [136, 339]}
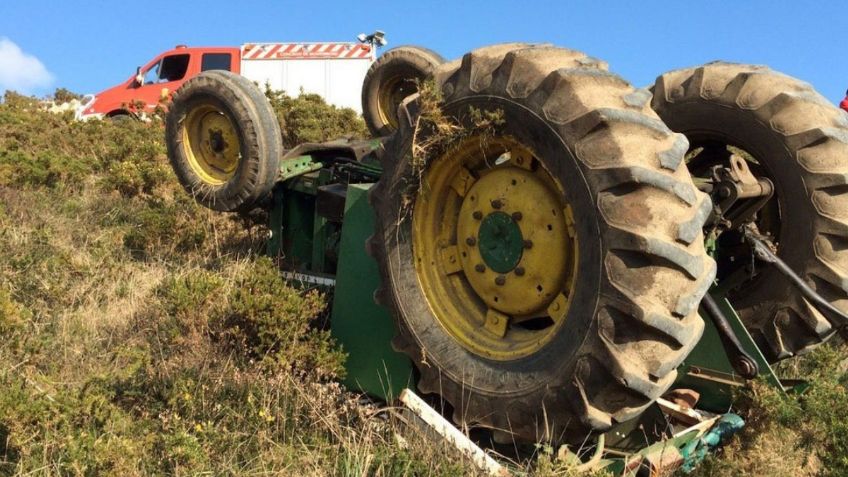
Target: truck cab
{"type": "Point", "coordinates": [152, 83]}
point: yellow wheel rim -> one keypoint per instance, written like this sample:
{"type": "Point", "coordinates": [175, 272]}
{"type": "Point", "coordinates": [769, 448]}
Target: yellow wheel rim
{"type": "Point", "coordinates": [495, 248]}
{"type": "Point", "coordinates": [391, 95]}
{"type": "Point", "coordinates": [211, 144]}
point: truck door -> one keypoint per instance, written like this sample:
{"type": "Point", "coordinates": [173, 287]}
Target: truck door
{"type": "Point", "coordinates": [167, 74]}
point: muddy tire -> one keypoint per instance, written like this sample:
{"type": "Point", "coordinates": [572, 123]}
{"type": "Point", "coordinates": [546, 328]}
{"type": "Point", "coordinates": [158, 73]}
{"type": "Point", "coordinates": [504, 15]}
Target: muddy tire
{"type": "Point", "coordinates": [392, 78]}
{"type": "Point", "coordinates": [799, 141]}
{"type": "Point", "coordinates": [642, 270]}
{"type": "Point", "coordinates": [224, 141]}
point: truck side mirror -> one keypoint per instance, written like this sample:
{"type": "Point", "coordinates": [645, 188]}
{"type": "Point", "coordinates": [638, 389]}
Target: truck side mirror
{"type": "Point", "coordinates": [139, 78]}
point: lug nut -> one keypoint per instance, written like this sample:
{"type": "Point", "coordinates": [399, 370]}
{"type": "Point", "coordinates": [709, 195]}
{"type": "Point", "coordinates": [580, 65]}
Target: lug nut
{"type": "Point", "coordinates": [477, 214]}
{"type": "Point", "coordinates": [480, 268]}
{"type": "Point", "coordinates": [528, 244]}
{"type": "Point", "coordinates": [497, 204]}
{"type": "Point", "coordinates": [471, 241]}
{"type": "Point", "coordinates": [500, 280]}
{"type": "Point", "coordinates": [519, 271]}
{"type": "Point", "coordinates": [516, 216]}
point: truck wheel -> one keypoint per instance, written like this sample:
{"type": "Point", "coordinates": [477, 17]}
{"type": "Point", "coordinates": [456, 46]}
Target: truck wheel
{"type": "Point", "coordinates": [393, 77]}
{"type": "Point", "coordinates": [544, 265]}
{"type": "Point", "coordinates": [224, 141]}
{"type": "Point", "coordinates": [798, 140]}
{"type": "Point", "coordinates": [119, 117]}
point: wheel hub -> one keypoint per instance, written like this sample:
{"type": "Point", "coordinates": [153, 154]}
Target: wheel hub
{"type": "Point", "coordinates": [501, 242]}
{"type": "Point", "coordinates": [511, 233]}
{"type": "Point", "coordinates": [216, 142]}
{"type": "Point", "coordinates": [212, 144]}
{"type": "Point", "coordinates": [495, 248]}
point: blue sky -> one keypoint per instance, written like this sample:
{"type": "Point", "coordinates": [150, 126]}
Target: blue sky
{"type": "Point", "coordinates": [87, 46]}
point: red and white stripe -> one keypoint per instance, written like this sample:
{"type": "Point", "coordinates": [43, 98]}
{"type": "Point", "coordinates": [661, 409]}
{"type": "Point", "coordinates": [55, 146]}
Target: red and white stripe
{"type": "Point", "coordinates": [305, 51]}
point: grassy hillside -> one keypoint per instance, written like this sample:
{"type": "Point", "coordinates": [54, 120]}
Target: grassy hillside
{"type": "Point", "coordinates": [145, 335]}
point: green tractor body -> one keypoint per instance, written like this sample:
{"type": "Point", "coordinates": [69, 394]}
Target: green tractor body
{"type": "Point", "coordinates": [319, 223]}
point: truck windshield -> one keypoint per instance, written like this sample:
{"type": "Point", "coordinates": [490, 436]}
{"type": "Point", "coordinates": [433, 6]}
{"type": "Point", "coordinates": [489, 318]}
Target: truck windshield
{"type": "Point", "coordinates": [170, 68]}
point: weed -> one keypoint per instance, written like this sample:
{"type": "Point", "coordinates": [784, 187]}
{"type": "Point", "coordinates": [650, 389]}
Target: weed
{"type": "Point", "coordinates": [793, 435]}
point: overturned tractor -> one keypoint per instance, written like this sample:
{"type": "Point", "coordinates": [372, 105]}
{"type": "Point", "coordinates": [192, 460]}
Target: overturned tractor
{"type": "Point", "coordinates": [551, 250]}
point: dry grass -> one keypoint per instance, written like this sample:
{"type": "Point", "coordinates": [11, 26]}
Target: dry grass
{"type": "Point", "coordinates": [436, 133]}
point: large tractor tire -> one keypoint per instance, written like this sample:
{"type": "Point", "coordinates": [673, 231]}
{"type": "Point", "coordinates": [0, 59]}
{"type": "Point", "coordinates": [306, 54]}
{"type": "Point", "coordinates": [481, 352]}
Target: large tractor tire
{"type": "Point", "coordinates": [798, 140]}
{"type": "Point", "coordinates": [392, 78]}
{"type": "Point", "coordinates": [224, 141]}
{"type": "Point", "coordinates": [545, 261]}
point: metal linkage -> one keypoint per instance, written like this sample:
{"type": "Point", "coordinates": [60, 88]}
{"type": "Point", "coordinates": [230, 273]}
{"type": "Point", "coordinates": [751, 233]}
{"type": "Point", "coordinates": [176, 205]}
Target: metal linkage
{"type": "Point", "coordinates": [731, 186]}
{"type": "Point", "coordinates": [742, 362]}
{"type": "Point", "coordinates": [835, 316]}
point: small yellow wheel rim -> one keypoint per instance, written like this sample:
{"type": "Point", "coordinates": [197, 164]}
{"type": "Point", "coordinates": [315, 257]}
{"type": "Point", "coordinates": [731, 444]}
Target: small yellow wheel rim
{"type": "Point", "coordinates": [211, 144]}
{"type": "Point", "coordinates": [393, 92]}
{"type": "Point", "coordinates": [495, 248]}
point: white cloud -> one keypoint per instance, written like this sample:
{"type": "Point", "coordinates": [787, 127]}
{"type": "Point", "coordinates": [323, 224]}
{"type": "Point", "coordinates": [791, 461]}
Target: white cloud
{"type": "Point", "coordinates": [20, 71]}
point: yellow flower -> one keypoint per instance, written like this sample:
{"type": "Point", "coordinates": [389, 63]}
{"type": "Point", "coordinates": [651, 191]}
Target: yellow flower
{"type": "Point", "coordinates": [267, 415]}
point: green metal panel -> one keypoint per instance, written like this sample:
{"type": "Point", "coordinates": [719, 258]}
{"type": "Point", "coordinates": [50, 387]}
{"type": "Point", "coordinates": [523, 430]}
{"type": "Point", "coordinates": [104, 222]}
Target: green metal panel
{"type": "Point", "coordinates": [298, 229]}
{"type": "Point", "coordinates": [319, 242]}
{"type": "Point", "coordinates": [363, 328]}
{"type": "Point", "coordinates": [296, 166]}
{"type": "Point", "coordinates": [274, 246]}
{"type": "Point", "coordinates": [298, 234]}
{"type": "Point", "coordinates": [708, 371]}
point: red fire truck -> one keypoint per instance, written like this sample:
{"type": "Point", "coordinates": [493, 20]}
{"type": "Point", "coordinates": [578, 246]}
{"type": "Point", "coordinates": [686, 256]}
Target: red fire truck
{"type": "Point", "coordinates": [334, 70]}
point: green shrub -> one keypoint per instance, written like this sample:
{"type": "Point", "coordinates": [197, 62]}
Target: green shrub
{"type": "Point", "coordinates": [136, 175]}
{"type": "Point", "coordinates": [274, 323]}
{"type": "Point", "coordinates": [308, 118]}
{"type": "Point", "coordinates": [63, 95]}
{"type": "Point", "coordinates": [16, 101]}
{"type": "Point", "coordinates": [159, 228]}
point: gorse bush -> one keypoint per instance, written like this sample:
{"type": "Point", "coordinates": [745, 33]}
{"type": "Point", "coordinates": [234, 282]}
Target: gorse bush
{"type": "Point", "coordinates": [40, 149]}
{"type": "Point", "coordinates": [273, 322]}
{"type": "Point", "coordinates": [308, 118]}
{"type": "Point", "coordinates": [63, 95]}
{"type": "Point", "coordinates": [255, 314]}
